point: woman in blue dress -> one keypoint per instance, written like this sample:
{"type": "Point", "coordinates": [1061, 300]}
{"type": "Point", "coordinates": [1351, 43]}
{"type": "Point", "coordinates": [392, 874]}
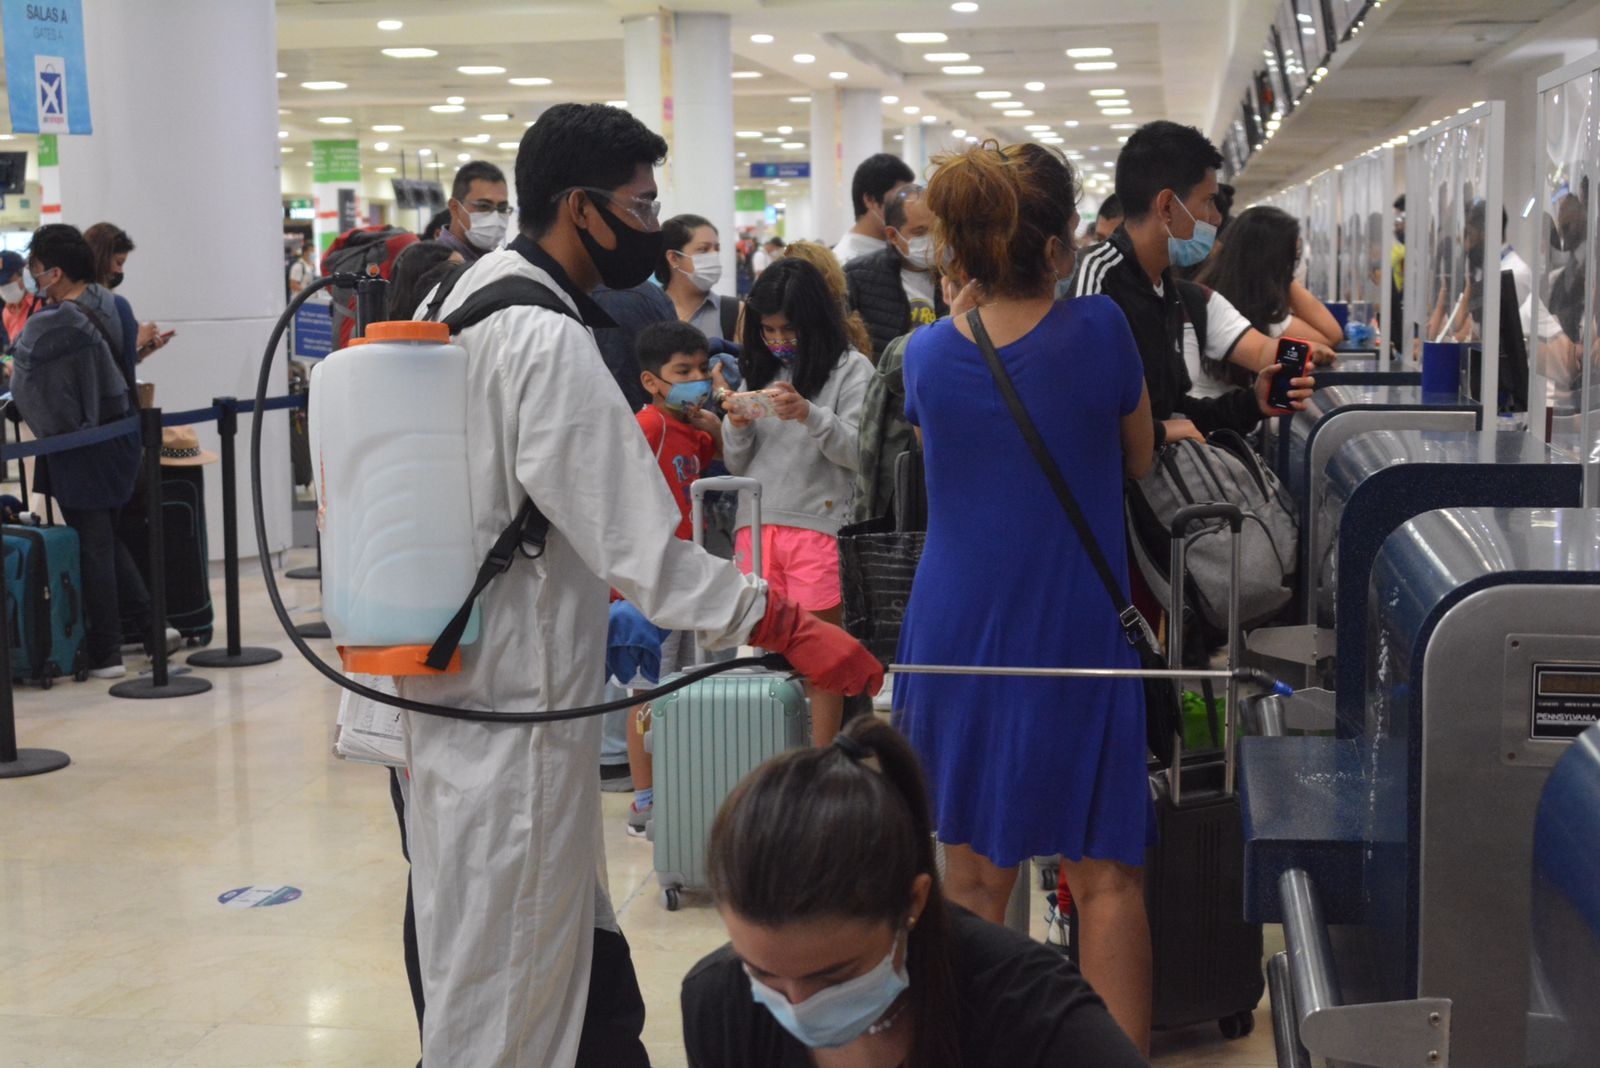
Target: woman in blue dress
{"type": "Point", "coordinates": [1025, 766]}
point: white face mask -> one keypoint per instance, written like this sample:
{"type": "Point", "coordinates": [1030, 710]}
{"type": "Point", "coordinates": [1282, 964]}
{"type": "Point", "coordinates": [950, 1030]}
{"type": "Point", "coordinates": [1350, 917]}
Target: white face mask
{"type": "Point", "coordinates": [919, 252]}
{"type": "Point", "coordinates": [12, 293]}
{"type": "Point", "coordinates": [707, 270]}
{"type": "Point", "coordinates": [487, 231]}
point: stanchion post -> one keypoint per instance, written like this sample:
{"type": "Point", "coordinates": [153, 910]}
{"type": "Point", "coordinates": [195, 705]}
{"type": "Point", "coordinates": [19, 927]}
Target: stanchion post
{"type": "Point", "coordinates": [159, 684]}
{"type": "Point", "coordinates": [235, 655]}
{"type": "Point", "coordinates": [17, 763]}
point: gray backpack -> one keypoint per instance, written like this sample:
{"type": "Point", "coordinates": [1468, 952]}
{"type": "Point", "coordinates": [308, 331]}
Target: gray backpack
{"type": "Point", "coordinates": [1224, 468]}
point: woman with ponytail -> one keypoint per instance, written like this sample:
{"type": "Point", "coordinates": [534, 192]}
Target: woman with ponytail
{"type": "Point", "coordinates": [1022, 767]}
{"type": "Point", "coordinates": [843, 948]}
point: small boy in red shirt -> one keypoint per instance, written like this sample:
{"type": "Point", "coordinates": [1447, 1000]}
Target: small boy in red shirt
{"type": "Point", "coordinates": [675, 369]}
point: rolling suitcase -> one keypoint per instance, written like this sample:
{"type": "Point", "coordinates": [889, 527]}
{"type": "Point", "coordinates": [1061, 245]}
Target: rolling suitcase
{"type": "Point", "coordinates": [188, 570]}
{"type": "Point", "coordinates": [708, 736]}
{"type": "Point", "coordinates": [44, 603]}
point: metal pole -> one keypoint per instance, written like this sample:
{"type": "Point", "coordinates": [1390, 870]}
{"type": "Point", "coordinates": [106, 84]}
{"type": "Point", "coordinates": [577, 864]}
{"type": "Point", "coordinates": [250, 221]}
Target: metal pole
{"type": "Point", "coordinates": [16, 763]}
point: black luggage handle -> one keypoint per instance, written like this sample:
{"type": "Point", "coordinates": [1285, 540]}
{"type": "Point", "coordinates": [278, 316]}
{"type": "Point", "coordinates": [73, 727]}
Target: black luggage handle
{"type": "Point", "coordinates": [1194, 513]}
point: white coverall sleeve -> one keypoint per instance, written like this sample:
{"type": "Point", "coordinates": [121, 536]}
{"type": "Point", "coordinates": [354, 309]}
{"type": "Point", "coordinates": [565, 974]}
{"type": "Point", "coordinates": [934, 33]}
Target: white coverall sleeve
{"type": "Point", "coordinates": [738, 446]}
{"type": "Point", "coordinates": [581, 457]}
{"type": "Point", "coordinates": [835, 430]}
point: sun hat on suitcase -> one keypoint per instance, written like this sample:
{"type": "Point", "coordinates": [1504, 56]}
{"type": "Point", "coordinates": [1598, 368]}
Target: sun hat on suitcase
{"type": "Point", "coordinates": [180, 447]}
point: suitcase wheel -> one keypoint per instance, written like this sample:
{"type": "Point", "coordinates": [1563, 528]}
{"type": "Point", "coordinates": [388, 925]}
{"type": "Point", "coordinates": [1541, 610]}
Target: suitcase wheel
{"type": "Point", "coordinates": [1238, 1025]}
{"type": "Point", "coordinates": [81, 675]}
{"type": "Point", "coordinates": [1049, 876]}
{"type": "Point", "coordinates": [672, 899]}
{"type": "Point", "coordinates": [48, 680]}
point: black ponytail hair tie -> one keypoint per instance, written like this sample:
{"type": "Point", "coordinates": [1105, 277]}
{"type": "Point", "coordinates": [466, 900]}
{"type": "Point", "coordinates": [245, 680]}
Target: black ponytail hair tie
{"type": "Point", "coordinates": [852, 748]}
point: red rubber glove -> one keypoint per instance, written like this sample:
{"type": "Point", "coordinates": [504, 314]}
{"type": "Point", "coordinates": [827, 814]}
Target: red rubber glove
{"type": "Point", "coordinates": [833, 661]}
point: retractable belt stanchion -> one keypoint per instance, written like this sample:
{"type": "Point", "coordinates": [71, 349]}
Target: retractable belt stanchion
{"type": "Point", "coordinates": [16, 763]}
{"type": "Point", "coordinates": [160, 683]}
{"type": "Point", "coordinates": [235, 655]}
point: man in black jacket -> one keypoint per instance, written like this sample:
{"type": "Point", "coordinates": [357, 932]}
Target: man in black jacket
{"type": "Point", "coordinates": [896, 289]}
{"type": "Point", "coordinates": [1167, 182]}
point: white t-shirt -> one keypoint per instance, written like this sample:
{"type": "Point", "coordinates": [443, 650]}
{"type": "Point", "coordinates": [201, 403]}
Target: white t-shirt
{"type": "Point", "coordinates": [1224, 327]}
{"type": "Point", "coordinates": [919, 292]}
{"type": "Point", "coordinates": [853, 244]}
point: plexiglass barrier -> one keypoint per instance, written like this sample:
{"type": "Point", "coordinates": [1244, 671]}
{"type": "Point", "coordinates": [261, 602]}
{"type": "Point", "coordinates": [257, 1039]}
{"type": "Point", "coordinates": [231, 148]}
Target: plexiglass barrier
{"type": "Point", "coordinates": [1366, 239]}
{"type": "Point", "coordinates": [1453, 213]}
{"type": "Point", "coordinates": [1563, 342]}
{"type": "Point", "coordinates": [1320, 232]}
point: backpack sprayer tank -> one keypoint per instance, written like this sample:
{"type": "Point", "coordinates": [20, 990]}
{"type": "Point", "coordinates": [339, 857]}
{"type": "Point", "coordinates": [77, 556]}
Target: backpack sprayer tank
{"type": "Point", "coordinates": [389, 456]}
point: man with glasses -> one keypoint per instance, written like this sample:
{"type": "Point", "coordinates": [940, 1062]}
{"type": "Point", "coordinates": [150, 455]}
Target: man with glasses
{"type": "Point", "coordinates": [478, 209]}
{"type": "Point", "coordinates": [522, 960]}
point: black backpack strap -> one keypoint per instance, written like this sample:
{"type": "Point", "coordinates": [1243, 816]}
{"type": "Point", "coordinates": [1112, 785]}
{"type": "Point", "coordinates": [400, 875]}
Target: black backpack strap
{"type": "Point", "coordinates": [728, 307]}
{"type": "Point", "coordinates": [443, 290]}
{"type": "Point", "coordinates": [530, 528]}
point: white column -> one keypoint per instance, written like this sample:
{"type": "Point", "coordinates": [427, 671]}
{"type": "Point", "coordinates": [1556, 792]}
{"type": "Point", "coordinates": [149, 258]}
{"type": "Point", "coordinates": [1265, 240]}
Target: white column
{"type": "Point", "coordinates": [860, 135]}
{"type": "Point", "coordinates": [185, 159]}
{"type": "Point", "coordinates": [702, 127]}
{"type": "Point", "coordinates": [913, 148]}
{"type": "Point", "coordinates": [642, 57]}
{"type": "Point", "coordinates": [831, 214]}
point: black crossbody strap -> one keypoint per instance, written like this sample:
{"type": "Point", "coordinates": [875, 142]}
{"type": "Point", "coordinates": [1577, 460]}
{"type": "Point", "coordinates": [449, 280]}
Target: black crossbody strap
{"type": "Point", "coordinates": [1133, 623]}
{"type": "Point", "coordinates": [531, 526]}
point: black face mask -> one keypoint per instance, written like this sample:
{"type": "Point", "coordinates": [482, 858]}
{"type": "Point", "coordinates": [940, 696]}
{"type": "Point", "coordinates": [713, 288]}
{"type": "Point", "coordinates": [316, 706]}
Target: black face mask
{"type": "Point", "coordinates": [634, 258]}
{"type": "Point", "coordinates": [115, 280]}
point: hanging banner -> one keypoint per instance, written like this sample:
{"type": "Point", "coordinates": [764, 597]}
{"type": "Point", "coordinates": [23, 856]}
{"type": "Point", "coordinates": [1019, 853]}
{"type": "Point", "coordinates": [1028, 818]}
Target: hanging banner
{"type": "Point", "coordinates": [49, 180]}
{"type": "Point", "coordinates": [336, 189]}
{"type": "Point", "coordinates": [46, 79]}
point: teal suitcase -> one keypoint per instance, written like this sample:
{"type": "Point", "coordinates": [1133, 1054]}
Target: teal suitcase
{"type": "Point", "coordinates": [708, 736]}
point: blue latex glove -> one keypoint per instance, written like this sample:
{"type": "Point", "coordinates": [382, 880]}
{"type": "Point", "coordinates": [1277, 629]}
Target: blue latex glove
{"type": "Point", "coordinates": [633, 645]}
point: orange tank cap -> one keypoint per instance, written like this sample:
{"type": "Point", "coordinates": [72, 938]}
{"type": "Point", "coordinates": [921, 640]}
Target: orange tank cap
{"type": "Point", "coordinates": [394, 660]}
{"type": "Point", "coordinates": [409, 330]}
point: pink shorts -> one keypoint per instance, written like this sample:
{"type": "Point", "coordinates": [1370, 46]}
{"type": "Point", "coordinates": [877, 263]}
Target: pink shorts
{"type": "Point", "coordinates": [800, 565]}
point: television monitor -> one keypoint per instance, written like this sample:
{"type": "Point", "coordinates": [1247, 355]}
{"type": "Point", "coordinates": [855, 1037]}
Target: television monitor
{"type": "Point", "coordinates": [404, 197]}
{"type": "Point", "coordinates": [434, 192]}
{"type": "Point", "coordinates": [13, 173]}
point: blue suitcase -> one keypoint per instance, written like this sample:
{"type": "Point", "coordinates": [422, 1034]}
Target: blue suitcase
{"type": "Point", "coordinates": [44, 603]}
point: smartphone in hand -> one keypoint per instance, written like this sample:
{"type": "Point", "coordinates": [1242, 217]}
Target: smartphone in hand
{"type": "Point", "coordinates": [755, 405]}
{"type": "Point", "coordinates": [1293, 355]}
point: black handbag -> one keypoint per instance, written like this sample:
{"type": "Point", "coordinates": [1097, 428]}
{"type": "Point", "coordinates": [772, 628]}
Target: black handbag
{"type": "Point", "coordinates": [1162, 703]}
{"type": "Point", "coordinates": [878, 562]}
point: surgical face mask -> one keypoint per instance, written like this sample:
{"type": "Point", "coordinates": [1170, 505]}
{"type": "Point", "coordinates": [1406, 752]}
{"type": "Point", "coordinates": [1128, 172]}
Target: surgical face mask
{"type": "Point", "coordinates": [635, 256]}
{"type": "Point", "coordinates": [685, 395]}
{"type": "Point", "coordinates": [115, 280]}
{"type": "Point", "coordinates": [707, 270]}
{"type": "Point", "coordinates": [12, 293]}
{"type": "Point", "coordinates": [488, 229]}
{"type": "Point", "coordinates": [1064, 288]}
{"type": "Point", "coordinates": [838, 1015]}
{"type": "Point", "coordinates": [784, 351]}
{"type": "Point", "coordinates": [919, 252]}
{"type": "Point", "coordinates": [1187, 252]}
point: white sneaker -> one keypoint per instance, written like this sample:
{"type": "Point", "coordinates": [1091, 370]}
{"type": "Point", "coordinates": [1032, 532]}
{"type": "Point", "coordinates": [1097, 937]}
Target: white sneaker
{"type": "Point", "coordinates": [174, 640]}
{"type": "Point", "coordinates": [110, 671]}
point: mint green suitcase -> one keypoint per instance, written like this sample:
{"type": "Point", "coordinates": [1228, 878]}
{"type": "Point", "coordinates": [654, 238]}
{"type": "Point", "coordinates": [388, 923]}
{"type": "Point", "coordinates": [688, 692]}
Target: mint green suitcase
{"type": "Point", "coordinates": [708, 736]}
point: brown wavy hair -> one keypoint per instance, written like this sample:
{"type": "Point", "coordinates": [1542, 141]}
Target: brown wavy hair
{"type": "Point", "coordinates": [822, 258]}
{"type": "Point", "coordinates": [995, 211]}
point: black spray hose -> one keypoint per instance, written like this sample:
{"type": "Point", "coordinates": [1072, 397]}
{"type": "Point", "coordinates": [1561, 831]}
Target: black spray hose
{"type": "Point", "coordinates": [771, 661]}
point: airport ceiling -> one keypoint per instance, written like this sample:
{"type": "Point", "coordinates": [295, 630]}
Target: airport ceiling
{"type": "Point", "coordinates": [1182, 59]}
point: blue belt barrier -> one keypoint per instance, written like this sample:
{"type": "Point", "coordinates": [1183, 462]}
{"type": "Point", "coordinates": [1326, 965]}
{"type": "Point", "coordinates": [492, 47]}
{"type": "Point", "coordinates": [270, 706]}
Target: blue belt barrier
{"type": "Point", "coordinates": [130, 425]}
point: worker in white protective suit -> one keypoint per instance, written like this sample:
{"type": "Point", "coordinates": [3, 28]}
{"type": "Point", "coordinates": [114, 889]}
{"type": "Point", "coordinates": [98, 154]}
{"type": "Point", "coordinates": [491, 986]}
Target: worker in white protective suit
{"type": "Point", "coordinates": [505, 829]}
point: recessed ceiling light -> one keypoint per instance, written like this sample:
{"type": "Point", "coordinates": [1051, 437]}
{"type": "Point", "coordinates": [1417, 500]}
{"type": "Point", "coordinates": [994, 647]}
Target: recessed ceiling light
{"type": "Point", "coordinates": [794, 144]}
{"type": "Point", "coordinates": [334, 120]}
{"type": "Point", "coordinates": [1124, 126]}
{"type": "Point", "coordinates": [390, 24]}
{"type": "Point", "coordinates": [463, 156]}
{"type": "Point", "coordinates": [285, 111]}
{"type": "Point", "coordinates": [309, 163]}
{"type": "Point", "coordinates": [410, 53]}
{"type": "Point", "coordinates": [958, 133]}
{"type": "Point", "coordinates": [1111, 102]}
{"type": "Point", "coordinates": [1108, 92]}
{"type": "Point", "coordinates": [1004, 104]}
{"type": "Point", "coordinates": [786, 129]}
{"type": "Point", "coordinates": [799, 100]}
{"type": "Point", "coordinates": [993, 94]}
{"type": "Point", "coordinates": [476, 139]}
{"type": "Point", "coordinates": [1122, 140]}
{"type": "Point", "coordinates": [508, 145]}
{"type": "Point", "coordinates": [964, 7]}
{"type": "Point", "coordinates": [921, 38]}
{"type": "Point", "coordinates": [772, 140]}
{"type": "Point", "coordinates": [498, 116]}
{"type": "Point", "coordinates": [946, 57]}
{"type": "Point", "coordinates": [323, 87]}
{"type": "Point", "coordinates": [1018, 113]}
{"type": "Point", "coordinates": [742, 155]}
{"type": "Point", "coordinates": [424, 151]}
{"type": "Point", "coordinates": [1034, 87]}
{"type": "Point", "coordinates": [387, 128]}
{"type": "Point", "coordinates": [1035, 128]}
{"type": "Point", "coordinates": [1070, 123]}
{"type": "Point", "coordinates": [761, 38]}
{"type": "Point", "coordinates": [529, 81]}
{"type": "Point", "coordinates": [899, 137]}
{"type": "Point", "coordinates": [385, 170]}
{"type": "Point", "coordinates": [962, 70]}
{"type": "Point", "coordinates": [1088, 53]}
{"type": "Point", "coordinates": [971, 140]}
{"type": "Point", "coordinates": [746, 74]}
{"type": "Point", "coordinates": [930, 118]}
{"type": "Point", "coordinates": [1097, 65]}
{"type": "Point", "coordinates": [749, 134]}
{"type": "Point", "coordinates": [455, 100]}
{"type": "Point", "coordinates": [446, 109]}
{"type": "Point", "coordinates": [1303, 17]}
{"type": "Point", "coordinates": [1117, 111]}
{"type": "Point", "coordinates": [380, 146]}
{"type": "Point", "coordinates": [804, 57]}
{"type": "Point", "coordinates": [617, 104]}
{"type": "Point", "coordinates": [282, 75]}
{"type": "Point", "coordinates": [281, 148]}
{"type": "Point", "coordinates": [838, 75]}
{"type": "Point", "coordinates": [474, 69]}
{"type": "Point", "coordinates": [911, 109]}
{"type": "Point", "coordinates": [283, 133]}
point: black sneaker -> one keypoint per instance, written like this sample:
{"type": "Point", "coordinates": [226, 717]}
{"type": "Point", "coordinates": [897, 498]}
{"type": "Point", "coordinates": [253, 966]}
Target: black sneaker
{"type": "Point", "coordinates": [616, 779]}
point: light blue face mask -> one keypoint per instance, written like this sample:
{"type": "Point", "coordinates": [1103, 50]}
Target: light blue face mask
{"type": "Point", "coordinates": [838, 1015]}
{"type": "Point", "coordinates": [1193, 250]}
{"type": "Point", "coordinates": [685, 395]}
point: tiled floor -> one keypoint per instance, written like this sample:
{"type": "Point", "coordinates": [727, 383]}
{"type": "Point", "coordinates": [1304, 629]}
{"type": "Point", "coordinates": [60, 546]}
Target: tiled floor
{"type": "Point", "coordinates": [115, 951]}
